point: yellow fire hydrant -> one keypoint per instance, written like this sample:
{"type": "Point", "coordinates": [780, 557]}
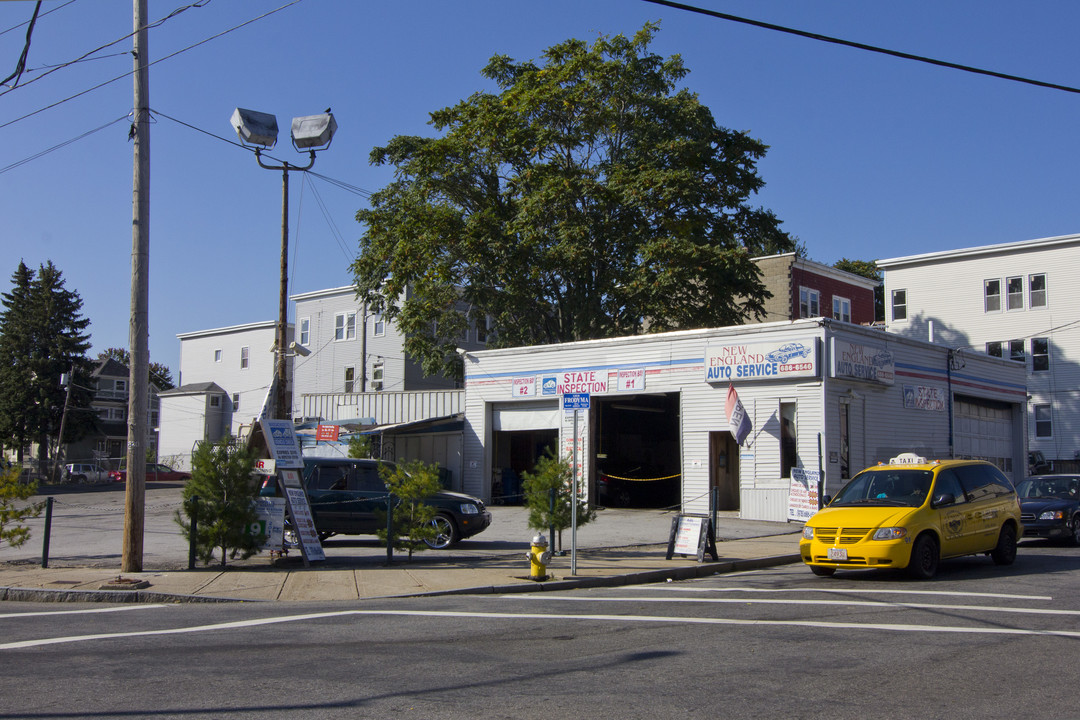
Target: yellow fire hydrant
{"type": "Point", "coordinates": [539, 556]}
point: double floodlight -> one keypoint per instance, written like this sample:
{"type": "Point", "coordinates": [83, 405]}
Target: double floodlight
{"type": "Point", "coordinates": [311, 132]}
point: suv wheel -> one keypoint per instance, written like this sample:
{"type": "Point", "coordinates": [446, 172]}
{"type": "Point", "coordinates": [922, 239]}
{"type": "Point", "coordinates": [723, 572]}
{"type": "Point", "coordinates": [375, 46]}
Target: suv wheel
{"type": "Point", "coordinates": [1005, 551]}
{"type": "Point", "coordinates": [446, 533]}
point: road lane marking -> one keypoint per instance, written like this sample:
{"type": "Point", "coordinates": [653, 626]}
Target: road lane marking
{"type": "Point", "coordinates": [826, 603]}
{"type": "Point", "coordinates": [39, 613]}
{"type": "Point", "coordinates": [842, 591]}
{"type": "Point", "coordinates": [548, 617]}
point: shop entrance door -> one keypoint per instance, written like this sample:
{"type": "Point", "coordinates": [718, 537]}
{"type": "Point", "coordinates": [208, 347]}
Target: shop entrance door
{"type": "Point", "coordinates": [724, 469]}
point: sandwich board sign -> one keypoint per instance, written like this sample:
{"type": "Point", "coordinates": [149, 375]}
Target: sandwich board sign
{"type": "Point", "coordinates": [285, 450]}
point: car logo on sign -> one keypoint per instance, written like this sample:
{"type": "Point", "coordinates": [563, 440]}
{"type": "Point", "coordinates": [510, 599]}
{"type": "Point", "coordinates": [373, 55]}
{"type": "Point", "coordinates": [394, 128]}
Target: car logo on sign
{"type": "Point", "coordinates": [549, 386]}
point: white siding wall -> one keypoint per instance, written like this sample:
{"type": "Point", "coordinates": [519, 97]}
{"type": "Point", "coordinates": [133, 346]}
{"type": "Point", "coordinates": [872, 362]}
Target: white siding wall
{"type": "Point", "coordinates": [183, 425]}
{"type": "Point", "coordinates": [957, 311]}
{"type": "Point", "coordinates": [385, 408]}
{"type": "Point", "coordinates": [197, 364]}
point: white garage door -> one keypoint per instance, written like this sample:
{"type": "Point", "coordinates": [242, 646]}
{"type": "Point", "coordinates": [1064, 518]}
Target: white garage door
{"type": "Point", "coordinates": [984, 430]}
{"type": "Point", "coordinates": [540, 415]}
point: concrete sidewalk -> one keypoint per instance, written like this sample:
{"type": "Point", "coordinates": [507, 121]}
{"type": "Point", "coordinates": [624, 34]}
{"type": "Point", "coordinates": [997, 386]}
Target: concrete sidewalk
{"type": "Point", "coordinates": [492, 562]}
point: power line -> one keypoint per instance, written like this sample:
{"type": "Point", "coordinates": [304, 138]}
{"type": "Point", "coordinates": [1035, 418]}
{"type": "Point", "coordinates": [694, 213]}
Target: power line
{"type": "Point", "coordinates": [16, 27]}
{"type": "Point", "coordinates": [863, 46]}
{"type": "Point", "coordinates": [43, 153]}
{"type": "Point", "coordinates": [20, 65]}
{"type": "Point", "coordinates": [155, 62]}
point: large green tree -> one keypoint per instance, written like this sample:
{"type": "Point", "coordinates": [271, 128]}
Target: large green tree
{"type": "Point", "coordinates": [160, 374]}
{"type": "Point", "coordinates": [42, 337]}
{"type": "Point", "coordinates": [589, 197]}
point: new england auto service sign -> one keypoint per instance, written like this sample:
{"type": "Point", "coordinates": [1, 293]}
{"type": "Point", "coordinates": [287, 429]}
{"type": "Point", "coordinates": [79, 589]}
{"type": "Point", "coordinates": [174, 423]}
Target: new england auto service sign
{"type": "Point", "coordinates": [777, 360]}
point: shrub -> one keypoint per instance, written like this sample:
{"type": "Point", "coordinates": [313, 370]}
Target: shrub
{"type": "Point", "coordinates": [410, 484]}
{"type": "Point", "coordinates": [551, 474]}
{"type": "Point", "coordinates": [12, 512]}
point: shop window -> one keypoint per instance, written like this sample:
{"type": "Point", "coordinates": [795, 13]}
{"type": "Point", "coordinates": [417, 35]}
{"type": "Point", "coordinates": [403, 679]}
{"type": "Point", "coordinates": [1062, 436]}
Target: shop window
{"type": "Point", "coordinates": [350, 379]}
{"type": "Point", "coordinates": [841, 309]}
{"type": "Point", "coordinates": [809, 303]}
{"type": "Point", "coordinates": [1043, 422]}
{"type": "Point", "coordinates": [899, 304]}
{"type": "Point", "coordinates": [1037, 290]}
{"type": "Point", "coordinates": [1015, 287]}
{"type": "Point", "coordinates": [992, 295]}
{"type": "Point", "coordinates": [1040, 354]}
{"type": "Point", "coordinates": [788, 434]}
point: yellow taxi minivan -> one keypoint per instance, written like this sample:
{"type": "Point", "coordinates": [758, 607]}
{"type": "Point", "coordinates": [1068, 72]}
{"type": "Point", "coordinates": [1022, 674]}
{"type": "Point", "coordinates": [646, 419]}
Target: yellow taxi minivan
{"type": "Point", "coordinates": [912, 513]}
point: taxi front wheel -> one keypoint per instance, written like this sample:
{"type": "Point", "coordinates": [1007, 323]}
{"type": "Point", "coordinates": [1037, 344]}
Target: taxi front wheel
{"type": "Point", "coordinates": [1005, 551]}
{"type": "Point", "coordinates": [924, 558]}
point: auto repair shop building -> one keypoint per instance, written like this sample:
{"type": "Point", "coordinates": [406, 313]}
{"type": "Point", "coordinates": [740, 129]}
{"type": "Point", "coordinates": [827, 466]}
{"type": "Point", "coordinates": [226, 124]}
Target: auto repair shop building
{"type": "Point", "coordinates": [821, 395]}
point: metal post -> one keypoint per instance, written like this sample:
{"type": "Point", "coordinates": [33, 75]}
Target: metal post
{"type": "Point", "coordinates": [389, 529]}
{"type": "Point", "coordinates": [48, 532]}
{"type": "Point", "coordinates": [139, 379]}
{"type": "Point", "coordinates": [551, 520]}
{"type": "Point", "coordinates": [282, 412]}
{"type": "Point", "coordinates": [574, 500]}
{"type": "Point", "coordinates": [193, 532]}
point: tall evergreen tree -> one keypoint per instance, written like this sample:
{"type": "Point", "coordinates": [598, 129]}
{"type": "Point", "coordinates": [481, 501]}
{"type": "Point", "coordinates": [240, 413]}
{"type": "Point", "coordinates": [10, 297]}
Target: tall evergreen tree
{"type": "Point", "coordinates": [42, 337]}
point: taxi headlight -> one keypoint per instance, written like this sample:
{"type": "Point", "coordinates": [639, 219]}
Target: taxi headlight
{"type": "Point", "coordinates": [890, 533]}
{"type": "Point", "coordinates": [469, 509]}
{"type": "Point", "coordinates": [1053, 515]}
{"type": "Point", "coordinates": [808, 533]}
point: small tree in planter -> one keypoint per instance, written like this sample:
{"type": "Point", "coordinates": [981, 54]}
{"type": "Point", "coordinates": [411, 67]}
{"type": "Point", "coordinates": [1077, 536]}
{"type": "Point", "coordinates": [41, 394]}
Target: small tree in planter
{"type": "Point", "coordinates": [12, 515]}
{"type": "Point", "coordinates": [221, 480]}
{"type": "Point", "coordinates": [410, 484]}
{"type": "Point", "coordinates": [553, 474]}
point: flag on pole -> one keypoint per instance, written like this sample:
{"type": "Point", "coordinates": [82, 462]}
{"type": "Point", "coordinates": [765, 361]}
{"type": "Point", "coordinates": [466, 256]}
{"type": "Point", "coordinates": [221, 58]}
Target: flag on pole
{"type": "Point", "coordinates": [738, 421]}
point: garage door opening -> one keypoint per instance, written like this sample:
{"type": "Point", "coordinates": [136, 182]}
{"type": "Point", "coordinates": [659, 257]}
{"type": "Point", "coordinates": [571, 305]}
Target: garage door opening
{"type": "Point", "coordinates": [515, 452]}
{"type": "Point", "coordinates": [637, 451]}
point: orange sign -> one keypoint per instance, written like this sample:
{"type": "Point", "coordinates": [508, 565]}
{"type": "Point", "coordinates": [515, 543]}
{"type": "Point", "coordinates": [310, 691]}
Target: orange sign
{"type": "Point", "coordinates": [327, 432]}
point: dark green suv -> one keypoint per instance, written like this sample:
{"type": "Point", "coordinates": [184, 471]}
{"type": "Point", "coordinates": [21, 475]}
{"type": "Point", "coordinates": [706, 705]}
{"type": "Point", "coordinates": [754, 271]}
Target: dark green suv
{"type": "Point", "coordinates": [346, 493]}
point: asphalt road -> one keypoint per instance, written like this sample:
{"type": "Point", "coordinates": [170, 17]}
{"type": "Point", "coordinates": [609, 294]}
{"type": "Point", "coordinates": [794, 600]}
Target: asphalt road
{"type": "Point", "coordinates": [977, 641]}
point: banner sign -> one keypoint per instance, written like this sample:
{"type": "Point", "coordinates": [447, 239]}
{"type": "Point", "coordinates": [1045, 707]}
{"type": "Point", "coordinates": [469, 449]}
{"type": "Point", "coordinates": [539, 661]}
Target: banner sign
{"type": "Point", "coordinates": [803, 495]}
{"type": "Point", "coordinates": [282, 443]}
{"type": "Point", "coordinates": [631, 380]}
{"type": "Point", "coordinates": [327, 433]}
{"type": "Point", "coordinates": [271, 522]}
{"type": "Point", "coordinates": [761, 361]}
{"type": "Point", "coordinates": [524, 386]}
{"type": "Point", "coordinates": [921, 397]}
{"type": "Point", "coordinates": [304, 523]}
{"type": "Point", "coordinates": [863, 362]}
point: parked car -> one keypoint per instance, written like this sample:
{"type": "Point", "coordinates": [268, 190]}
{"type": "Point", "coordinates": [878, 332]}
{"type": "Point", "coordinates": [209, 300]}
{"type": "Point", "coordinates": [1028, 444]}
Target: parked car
{"type": "Point", "coordinates": [911, 514]}
{"type": "Point", "coordinates": [155, 472]}
{"type": "Point", "coordinates": [85, 473]}
{"type": "Point", "coordinates": [1050, 507]}
{"type": "Point", "coordinates": [346, 493]}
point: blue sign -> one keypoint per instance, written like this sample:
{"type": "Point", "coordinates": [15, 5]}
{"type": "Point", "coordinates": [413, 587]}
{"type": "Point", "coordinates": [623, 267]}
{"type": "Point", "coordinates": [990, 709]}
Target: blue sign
{"type": "Point", "coordinates": [575, 401]}
{"type": "Point", "coordinates": [549, 386]}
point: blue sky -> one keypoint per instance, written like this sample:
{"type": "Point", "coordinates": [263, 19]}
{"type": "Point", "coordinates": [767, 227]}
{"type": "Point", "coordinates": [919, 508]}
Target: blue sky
{"type": "Point", "coordinates": [870, 156]}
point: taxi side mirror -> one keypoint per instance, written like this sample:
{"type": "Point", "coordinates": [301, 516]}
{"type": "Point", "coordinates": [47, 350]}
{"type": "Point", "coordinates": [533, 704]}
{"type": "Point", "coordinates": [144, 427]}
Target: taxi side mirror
{"type": "Point", "coordinates": [943, 499]}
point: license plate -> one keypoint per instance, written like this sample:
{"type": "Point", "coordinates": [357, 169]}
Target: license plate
{"type": "Point", "coordinates": [837, 553]}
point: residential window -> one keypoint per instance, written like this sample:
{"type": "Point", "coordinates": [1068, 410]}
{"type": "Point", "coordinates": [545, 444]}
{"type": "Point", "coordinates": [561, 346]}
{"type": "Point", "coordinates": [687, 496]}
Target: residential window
{"type": "Point", "coordinates": [345, 326]}
{"type": "Point", "coordinates": [1040, 354]}
{"type": "Point", "coordinates": [841, 309]}
{"type": "Point", "coordinates": [217, 356]}
{"type": "Point", "coordinates": [899, 304]}
{"type": "Point", "coordinates": [153, 418]}
{"type": "Point", "coordinates": [992, 295]}
{"type": "Point", "coordinates": [809, 303]}
{"type": "Point", "coordinates": [482, 327]}
{"type": "Point", "coordinates": [350, 379]}
{"type": "Point", "coordinates": [305, 331]}
{"type": "Point", "coordinates": [1044, 426]}
{"type": "Point", "coordinates": [1037, 290]}
{"type": "Point", "coordinates": [235, 402]}
{"type": "Point", "coordinates": [1015, 287]}
{"type": "Point", "coordinates": [378, 326]}
{"type": "Point", "coordinates": [994, 349]}
{"type": "Point", "coordinates": [1016, 350]}
{"type": "Point", "coordinates": [377, 377]}
{"type": "Point", "coordinates": [120, 385]}
{"type": "Point", "coordinates": [215, 401]}
{"type": "Point", "coordinates": [243, 358]}
{"type": "Point", "coordinates": [789, 456]}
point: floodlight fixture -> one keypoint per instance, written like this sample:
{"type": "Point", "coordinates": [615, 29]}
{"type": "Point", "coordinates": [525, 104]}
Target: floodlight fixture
{"type": "Point", "coordinates": [255, 128]}
{"type": "Point", "coordinates": [313, 132]}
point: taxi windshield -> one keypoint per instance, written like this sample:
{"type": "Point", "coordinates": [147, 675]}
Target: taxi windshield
{"type": "Point", "coordinates": [892, 487]}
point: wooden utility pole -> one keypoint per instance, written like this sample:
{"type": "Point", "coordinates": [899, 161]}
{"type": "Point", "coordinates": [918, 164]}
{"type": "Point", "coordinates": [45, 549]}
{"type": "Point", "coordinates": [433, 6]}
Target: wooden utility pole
{"type": "Point", "coordinates": [138, 336]}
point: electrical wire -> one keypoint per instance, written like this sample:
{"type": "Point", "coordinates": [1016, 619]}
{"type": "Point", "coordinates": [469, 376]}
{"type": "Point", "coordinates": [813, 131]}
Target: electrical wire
{"type": "Point", "coordinates": [47, 12]}
{"type": "Point", "coordinates": [64, 144]}
{"type": "Point", "coordinates": [20, 65]}
{"type": "Point", "coordinates": [155, 62]}
{"type": "Point", "coordinates": [864, 46]}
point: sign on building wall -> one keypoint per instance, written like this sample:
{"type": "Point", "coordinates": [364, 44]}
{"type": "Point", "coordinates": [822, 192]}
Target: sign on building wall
{"type": "Point", "coordinates": [524, 386]}
{"type": "Point", "coordinates": [922, 397]}
{"type": "Point", "coordinates": [631, 380]}
{"type": "Point", "coordinates": [863, 362]}
{"type": "Point", "coordinates": [761, 361]}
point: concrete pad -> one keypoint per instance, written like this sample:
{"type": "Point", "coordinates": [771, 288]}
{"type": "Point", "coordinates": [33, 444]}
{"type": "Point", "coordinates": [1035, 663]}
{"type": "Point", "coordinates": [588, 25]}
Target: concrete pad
{"type": "Point", "coordinates": [319, 584]}
{"type": "Point", "coordinates": [245, 585]}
